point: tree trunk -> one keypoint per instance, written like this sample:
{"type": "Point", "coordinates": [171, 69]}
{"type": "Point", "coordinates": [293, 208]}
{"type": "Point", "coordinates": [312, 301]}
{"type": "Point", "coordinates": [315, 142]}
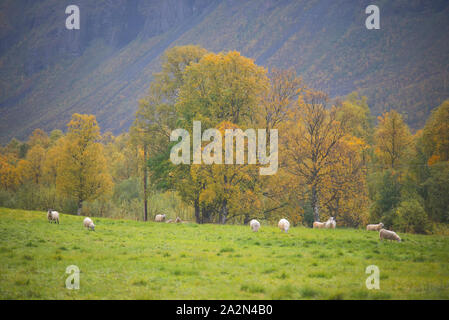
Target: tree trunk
{"type": "Point", "coordinates": [205, 215]}
{"type": "Point", "coordinates": [197, 211]}
{"type": "Point", "coordinates": [80, 207]}
{"type": "Point", "coordinates": [224, 212]}
{"type": "Point", "coordinates": [224, 207]}
{"type": "Point", "coordinates": [145, 174]}
{"type": "Point", "coordinates": [314, 200]}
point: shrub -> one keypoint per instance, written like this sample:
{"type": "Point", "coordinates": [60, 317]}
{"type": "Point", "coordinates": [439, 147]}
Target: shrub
{"type": "Point", "coordinates": [411, 217]}
{"type": "Point", "coordinates": [7, 199]}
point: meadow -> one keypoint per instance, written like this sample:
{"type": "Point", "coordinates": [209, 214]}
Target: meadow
{"type": "Point", "coordinates": [125, 259]}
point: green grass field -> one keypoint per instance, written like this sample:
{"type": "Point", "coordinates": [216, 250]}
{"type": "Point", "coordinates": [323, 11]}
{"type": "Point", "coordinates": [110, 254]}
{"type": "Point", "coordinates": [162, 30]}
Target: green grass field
{"type": "Point", "coordinates": [135, 260]}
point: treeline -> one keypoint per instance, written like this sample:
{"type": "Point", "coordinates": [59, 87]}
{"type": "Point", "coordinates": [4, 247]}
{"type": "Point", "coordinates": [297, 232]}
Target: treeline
{"type": "Point", "coordinates": [335, 159]}
{"type": "Point", "coordinates": [79, 172]}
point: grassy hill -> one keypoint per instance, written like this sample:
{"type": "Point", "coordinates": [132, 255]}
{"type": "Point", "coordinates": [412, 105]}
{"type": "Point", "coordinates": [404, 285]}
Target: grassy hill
{"type": "Point", "coordinates": [135, 260]}
{"type": "Point", "coordinates": [47, 72]}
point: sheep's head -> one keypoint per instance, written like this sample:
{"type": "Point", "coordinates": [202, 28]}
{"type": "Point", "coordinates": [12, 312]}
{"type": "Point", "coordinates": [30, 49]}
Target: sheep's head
{"type": "Point", "coordinates": [92, 227]}
{"type": "Point", "coordinates": [381, 225]}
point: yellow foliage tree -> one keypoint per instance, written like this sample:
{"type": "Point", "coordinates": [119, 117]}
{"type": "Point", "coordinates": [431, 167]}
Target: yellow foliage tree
{"type": "Point", "coordinates": [344, 187]}
{"type": "Point", "coordinates": [311, 134]}
{"type": "Point", "coordinates": [221, 87]}
{"type": "Point", "coordinates": [9, 174]}
{"type": "Point", "coordinates": [285, 86]}
{"type": "Point", "coordinates": [52, 162]}
{"type": "Point", "coordinates": [436, 134]}
{"type": "Point", "coordinates": [355, 110]}
{"type": "Point", "coordinates": [393, 140]}
{"type": "Point", "coordinates": [82, 173]}
{"type": "Point", "coordinates": [35, 160]}
{"type": "Point", "coordinates": [39, 137]}
{"type": "Point", "coordinates": [229, 191]}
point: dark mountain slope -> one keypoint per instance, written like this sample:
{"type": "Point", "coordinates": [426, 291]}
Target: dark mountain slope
{"type": "Point", "coordinates": [47, 72]}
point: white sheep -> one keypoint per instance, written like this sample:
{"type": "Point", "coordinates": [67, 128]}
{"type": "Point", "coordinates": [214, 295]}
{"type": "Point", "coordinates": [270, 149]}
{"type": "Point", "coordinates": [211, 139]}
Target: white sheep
{"type": "Point", "coordinates": [330, 223]}
{"type": "Point", "coordinates": [255, 225]}
{"type": "Point", "coordinates": [374, 227]}
{"type": "Point", "coordinates": [389, 235]}
{"type": "Point", "coordinates": [284, 225]}
{"type": "Point", "coordinates": [89, 224]}
{"type": "Point", "coordinates": [318, 225]}
{"type": "Point", "coordinates": [159, 217]}
{"type": "Point", "coordinates": [53, 216]}
{"type": "Point", "coordinates": [178, 220]}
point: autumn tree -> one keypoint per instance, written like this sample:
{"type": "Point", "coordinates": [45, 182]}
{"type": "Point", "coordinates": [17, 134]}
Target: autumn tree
{"type": "Point", "coordinates": [15, 149]}
{"type": "Point", "coordinates": [35, 159]}
{"type": "Point", "coordinates": [344, 188]}
{"type": "Point", "coordinates": [39, 137]}
{"type": "Point", "coordinates": [283, 91]}
{"type": "Point", "coordinates": [125, 157]}
{"type": "Point", "coordinates": [436, 134]}
{"type": "Point", "coordinates": [55, 135]}
{"type": "Point", "coordinates": [355, 110]}
{"type": "Point", "coordinates": [9, 175]}
{"type": "Point", "coordinates": [229, 191]}
{"type": "Point", "coordinates": [311, 135]}
{"type": "Point", "coordinates": [82, 173]}
{"type": "Point", "coordinates": [221, 87]}
{"type": "Point", "coordinates": [52, 162]}
{"type": "Point", "coordinates": [156, 115]}
{"type": "Point", "coordinates": [231, 87]}
{"type": "Point", "coordinates": [393, 140]}
{"type": "Point", "coordinates": [429, 166]}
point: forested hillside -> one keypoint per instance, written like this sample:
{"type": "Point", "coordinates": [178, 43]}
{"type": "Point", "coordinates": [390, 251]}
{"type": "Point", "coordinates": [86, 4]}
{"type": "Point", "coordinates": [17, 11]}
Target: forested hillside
{"type": "Point", "coordinates": [47, 73]}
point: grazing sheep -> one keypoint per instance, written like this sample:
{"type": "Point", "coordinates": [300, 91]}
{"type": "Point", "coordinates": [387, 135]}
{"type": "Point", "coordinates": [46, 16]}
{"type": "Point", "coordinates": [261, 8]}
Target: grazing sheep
{"type": "Point", "coordinates": [89, 224]}
{"type": "Point", "coordinates": [318, 225]}
{"type": "Point", "coordinates": [159, 218]}
{"type": "Point", "coordinates": [330, 224]}
{"type": "Point", "coordinates": [53, 216]}
{"type": "Point", "coordinates": [255, 225]}
{"type": "Point", "coordinates": [389, 235]}
{"type": "Point", "coordinates": [374, 227]}
{"type": "Point", "coordinates": [178, 220]}
{"type": "Point", "coordinates": [284, 225]}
